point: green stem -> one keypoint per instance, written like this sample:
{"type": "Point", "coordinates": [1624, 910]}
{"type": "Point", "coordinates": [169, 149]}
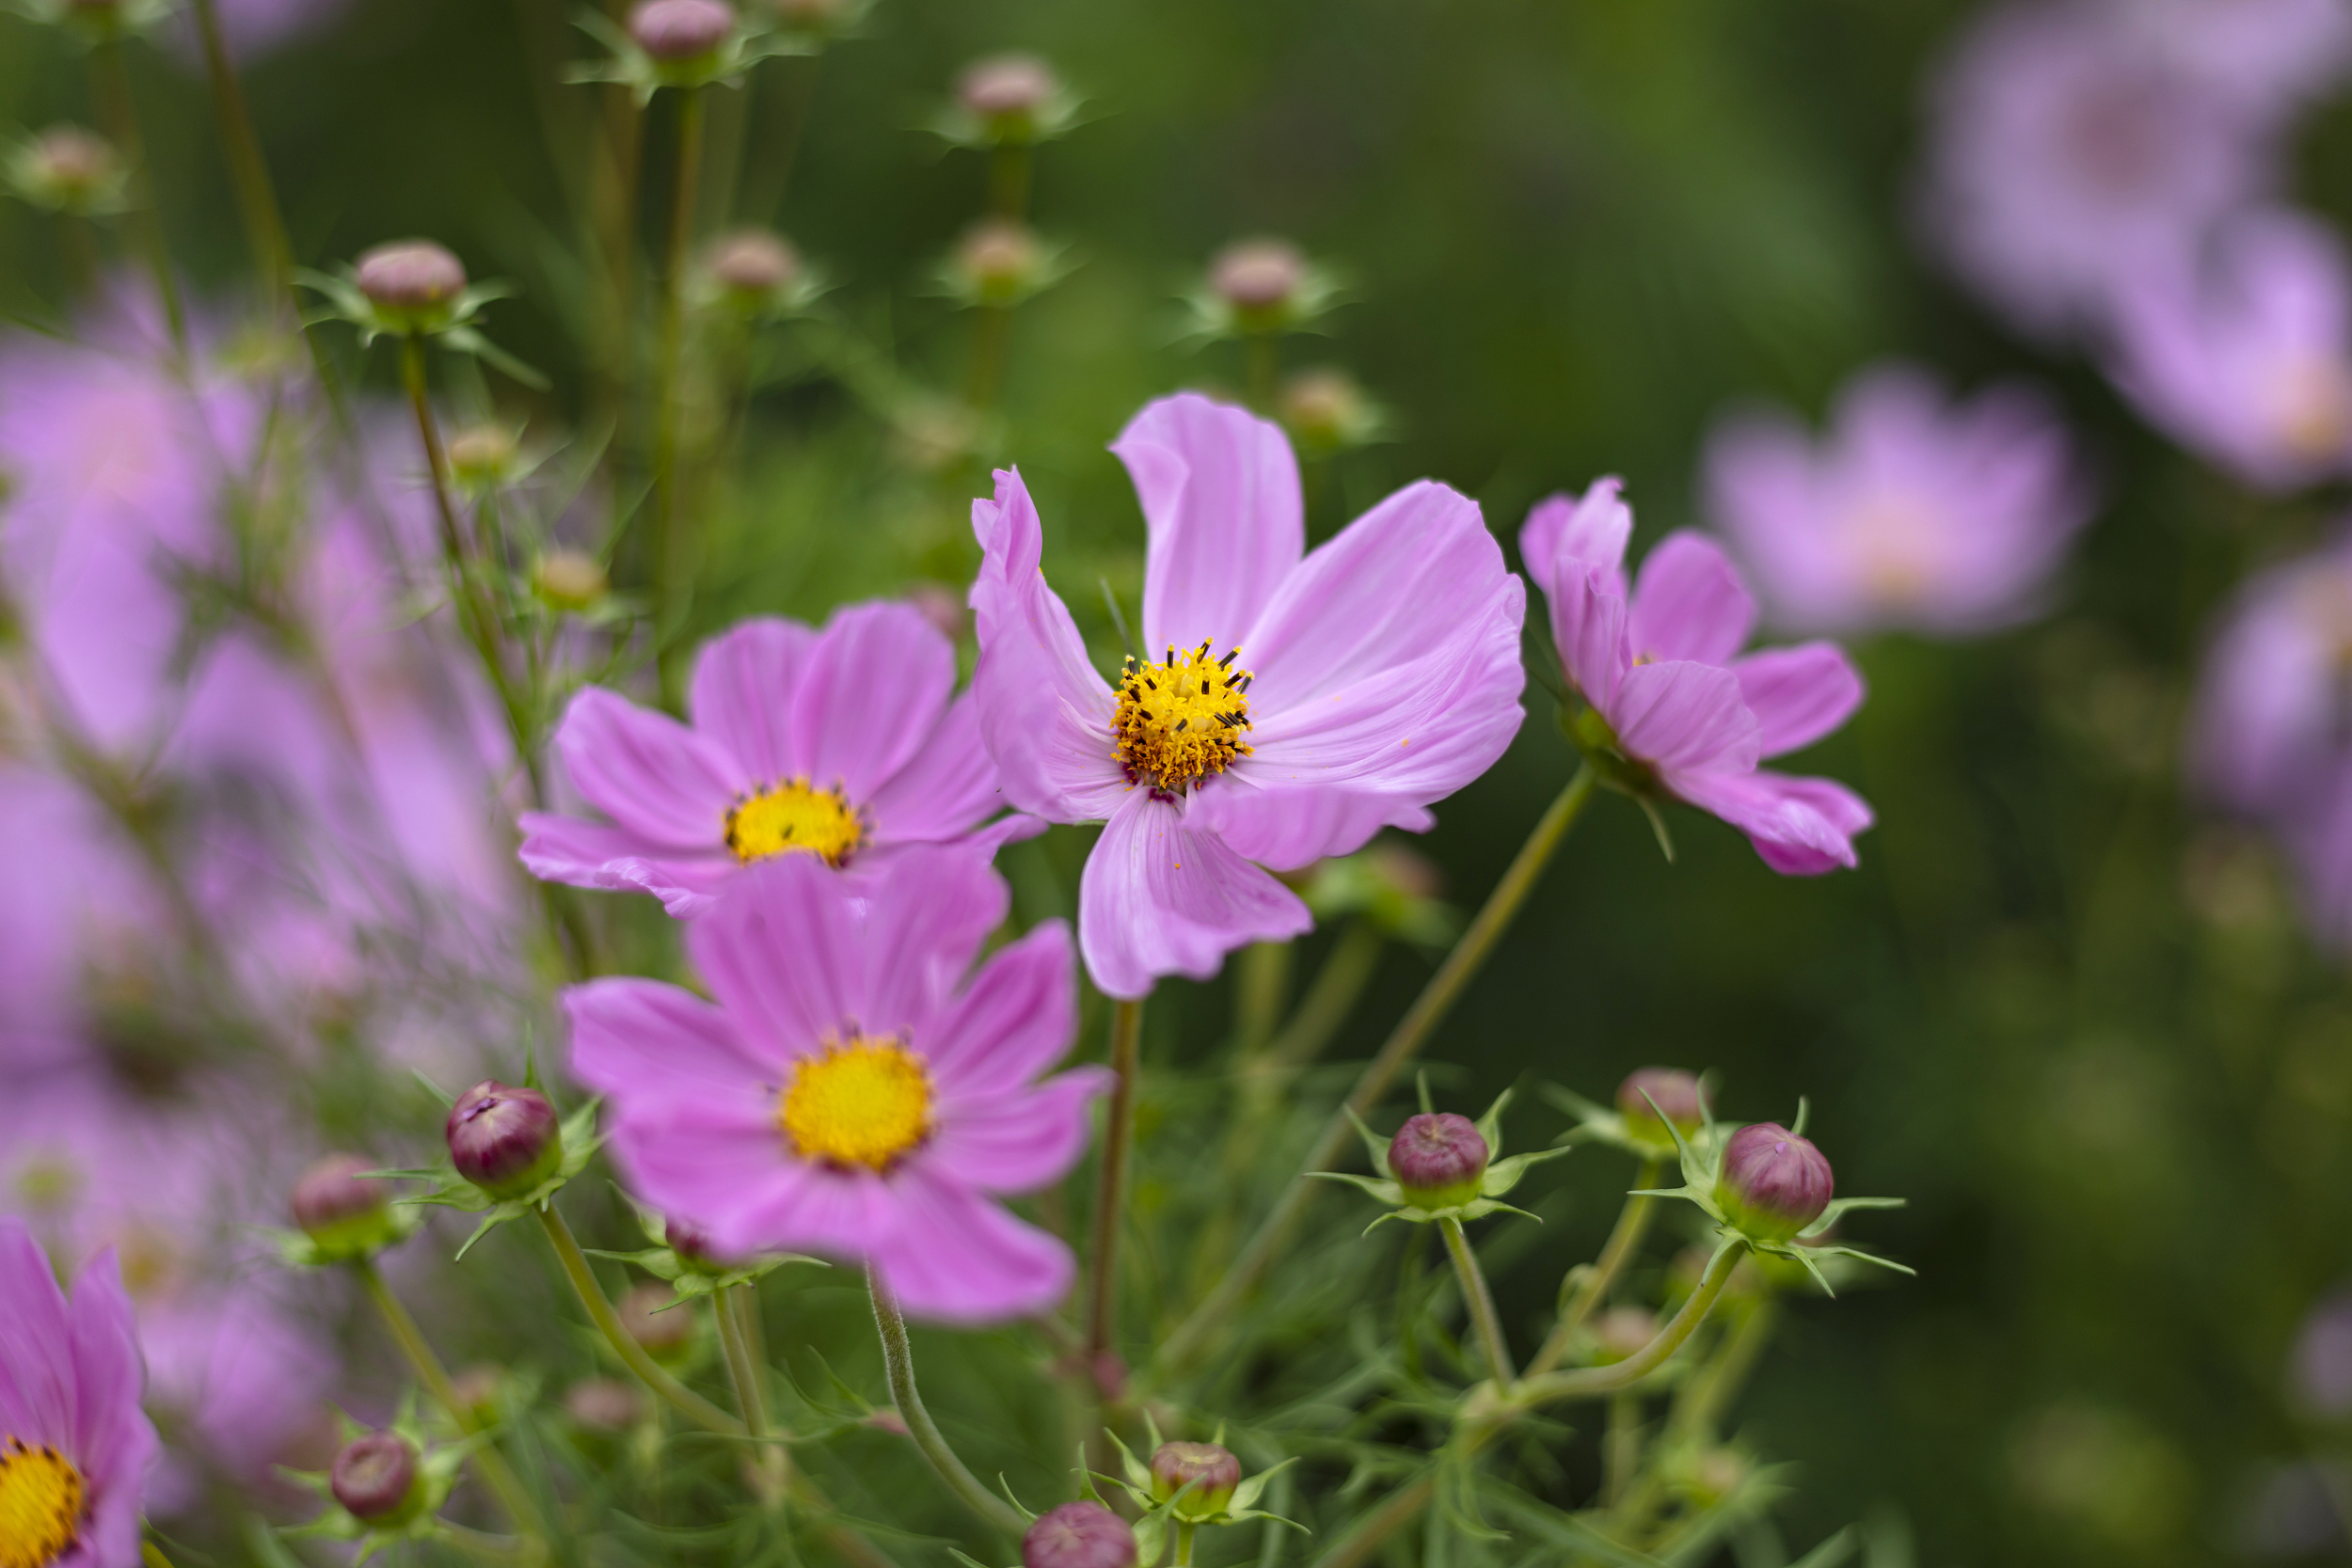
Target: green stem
{"type": "Point", "coordinates": [1110, 1195]}
{"type": "Point", "coordinates": [1185, 1529]}
{"type": "Point", "coordinates": [634, 1355]}
{"type": "Point", "coordinates": [1357, 1545]}
{"type": "Point", "coordinates": [1624, 1239]}
{"type": "Point", "coordinates": [265, 229]}
{"type": "Point", "coordinates": [1480, 1302]}
{"type": "Point", "coordinates": [991, 344]}
{"type": "Point", "coordinates": [899, 1366]}
{"type": "Point", "coordinates": [1594, 1381]}
{"type": "Point", "coordinates": [1412, 1031]}
{"type": "Point", "coordinates": [110, 85]}
{"type": "Point", "coordinates": [1261, 980]}
{"type": "Point", "coordinates": [1009, 179]}
{"type": "Point", "coordinates": [734, 1304]}
{"type": "Point", "coordinates": [1263, 354]}
{"type": "Point", "coordinates": [487, 1460]}
{"type": "Point", "coordinates": [664, 546]}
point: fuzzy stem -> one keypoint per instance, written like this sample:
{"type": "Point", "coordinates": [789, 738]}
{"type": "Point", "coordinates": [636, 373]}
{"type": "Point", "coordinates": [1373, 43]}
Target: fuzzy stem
{"type": "Point", "coordinates": [664, 545]}
{"type": "Point", "coordinates": [1480, 1303]}
{"type": "Point", "coordinates": [1412, 1031]}
{"type": "Point", "coordinates": [110, 85]}
{"type": "Point", "coordinates": [584, 1280]}
{"type": "Point", "coordinates": [1625, 1238]}
{"type": "Point", "coordinates": [1111, 1197]}
{"type": "Point", "coordinates": [899, 1366]}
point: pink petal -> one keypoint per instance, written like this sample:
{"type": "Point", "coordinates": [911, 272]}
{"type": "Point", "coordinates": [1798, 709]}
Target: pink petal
{"type": "Point", "coordinates": [784, 953]}
{"type": "Point", "coordinates": [1219, 490]}
{"type": "Point", "coordinates": [1159, 897]}
{"type": "Point", "coordinates": [1044, 713]}
{"type": "Point", "coordinates": [1683, 715]}
{"type": "Point", "coordinates": [744, 680]}
{"type": "Point", "coordinates": [1018, 1140]}
{"type": "Point", "coordinates": [1798, 694]}
{"type": "Point", "coordinates": [947, 787]}
{"type": "Point", "coordinates": [1587, 532]}
{"type": "Point", "coordinates": [843, 1214]}
{"type": "Point", "coordinates": [957, 1256]}
{"type": "Point", "coordinates": [590, 854]}
{"type": "Point", "coordinates": [647, 771]}
{"type": "Point", "coordinates": [112, 1439]}
{"type": "Point", "coordinates": [924, 921]}
{"type": "Point", "coordinates": [1290, 826]}
{"type": "Point", "coordinates": [1688, 603]}
{"type": "Point", "coordinates": [36, 1395]}
{"type": "Point", "coordinates": [641, 1040]}
{"type": "Point", "coordinates": [1017, 1018]}
{"type": "Point", "coordinates": [1800, 827]}
{"type": "Point", "coordinates": [724, 1162]}
{"type": "Point", "coordinates": [876, 683]}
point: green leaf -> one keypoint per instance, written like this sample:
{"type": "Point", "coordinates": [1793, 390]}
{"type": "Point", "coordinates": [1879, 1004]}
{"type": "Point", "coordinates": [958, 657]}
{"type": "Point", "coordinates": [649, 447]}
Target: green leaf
{"type": "Point", "coordinates": [1562, 1531]}
{"type": "Point", "coordinates": [1252, 1488]}
{"type": "Point", "coordinates": [1386, 1191]}
{"type": "Point", "coordinates": [1829, 1553]}
{"type": "Point", "coordinates": [1490, 1124]}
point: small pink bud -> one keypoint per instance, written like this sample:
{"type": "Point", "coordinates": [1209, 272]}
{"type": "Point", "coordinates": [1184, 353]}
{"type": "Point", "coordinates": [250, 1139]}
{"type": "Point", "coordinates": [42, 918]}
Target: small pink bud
{"type": "Point", "coordinates": [663, 1329]}
{"type": "Point", "coordinates": [1211, 1471]}
{"type": "Point", "coordinates": [1000, 257]}
{"type": "Point", "coordinates": [1773, 1183]}
{"type": "Point", "coordinates": [374, 1478]}
{"type": "Point", "coordinates": [1258, 277]}
{"type": "Point", "coordinates": [1439, 1160]}
{"type": "Point", "coordinates": [1079, 1535]}
{"type": "Point", "coordinates": [505, 1140]}
{"type": "Point", "coordinates": [343, 1213]}
{"type": "Point", "coordinates": [675, 31]}
{"type": "Point", "coordinates": [1005, 86]}
{"type": "Point", "coordinates": [1622, 1330]}
{"type": "Point", "coordinates": [603, 1405]}
{"type": "Point", "coordinates": [411, 277]}
{"type": "Point", "coordinates": [1677, 1094]}
{"type": "Point", "coordinates": [753, 264]}
{"type": "Point", "coordinates": [69, 167]}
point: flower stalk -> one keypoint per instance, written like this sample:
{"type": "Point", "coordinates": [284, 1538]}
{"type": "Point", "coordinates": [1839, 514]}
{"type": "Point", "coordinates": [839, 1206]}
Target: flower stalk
{"type": "Point", "coordinates": [663, 544]}
{"type": "Point", "coordinates": [600, 1311]}
{"type": "Point", "coordinates": [110, 86]}
{"type": "Point", "coordinates": [734, 1307]}
{"type": "Point", "coordinates": [1625, 1237]}
{"type": "Point", "coordinates": [1480, 1303]}
{"type": "Point", "coordinates": [899, 1366]}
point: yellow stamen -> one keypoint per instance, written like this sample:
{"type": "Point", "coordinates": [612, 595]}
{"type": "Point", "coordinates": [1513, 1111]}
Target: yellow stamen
{"type": "Point", "coordinates": [864, 1102]}
{"type": "Point", "coordinates": [1182, 721]}
{"type": "Point", "coordinates": [40, 1505]}
{"type": "Point", "coordinates": [781, 819]}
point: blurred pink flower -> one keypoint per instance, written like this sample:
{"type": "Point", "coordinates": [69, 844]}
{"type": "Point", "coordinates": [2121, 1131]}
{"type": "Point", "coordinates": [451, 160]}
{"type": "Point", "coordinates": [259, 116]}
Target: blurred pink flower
{"type": "Point", "coordinates": [1911, 512]}
{"type": "Point", "coordinates": [1357, 683]}
{"type": "Point", "coordinates": [1658, 663]}
{"type": "Point", "coordinates": [2068, 156]}
{"type": "Point", "coordinates": [846, 743]}
{"type": "Point", "coordinates": [2247, 362]}
{"type": "Point", "coordinates": [850, 1093]}
{"type": "Point", "coordinates": [2273, 704]}
{"type": "Point", "coordinates": [2268, 54]}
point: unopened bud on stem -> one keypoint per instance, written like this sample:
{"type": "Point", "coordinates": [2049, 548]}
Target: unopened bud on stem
{"type": "Point", "coordinates": [414, 282]}
{"type": "Point", "coordinates": [70, 169]}
{"type": "Point", "coordinates": [677, 31]}
{"type": "Point", "coordinates": [1210, 1472]}
{"type": "Point", "coordinates": [375, 1479]}
{"type": "Point", "coordinates": [1079, 1535]}
{"type": "Point", "coordinates": [1439, 1160]}
{"type": "Point", "coordinates": [1773, 1183]}
{"type": "Point", "coordinates": [753, 266]}
{"type": "Point", "coordinates": [567, 580]}
{"type": "Point", "coordinates": [344, 1214]}
{"type": "Point", "coordinates": [1677, 1093]}
{"type": "Point", "coordinates": [505, 1140]}
{"type": "Point", "coordinates": [1259, 279]}
{"type": "Point", "coordinates": [1005, 93]}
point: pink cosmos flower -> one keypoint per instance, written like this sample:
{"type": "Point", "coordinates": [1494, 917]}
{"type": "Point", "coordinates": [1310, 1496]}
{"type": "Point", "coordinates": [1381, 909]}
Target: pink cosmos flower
{"type": "Point", "coordinates": [74, 1447]}
{"type": "Point", "coordinates": [1912, 512]}
{"type": "Point", "coordinates": [2068, 155]}
{"type": "Point", "coordinates": [842, 743]}
{"type": "Point", "coordinates": [1305, 700]}
{"type": "Point", "coordinates": [2271, 704]}
{"type": "Point", "coordinates": [2249, 363]}
{"type": "Point", "coordinates": [850, 1094]}
{"type": "Point", "coordinates": [1657, 664]}
{"type": "Point", "coordinates": [2269, 54]}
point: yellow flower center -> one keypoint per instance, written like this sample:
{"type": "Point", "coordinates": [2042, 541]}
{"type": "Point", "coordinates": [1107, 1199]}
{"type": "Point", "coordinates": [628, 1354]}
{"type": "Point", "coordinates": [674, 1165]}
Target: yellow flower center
{"type": "Point", "coordinates": [792, 815]}
{"type": "Point", "coordinates": [862, 1103]}
{"type": "Point", "coordinates": [1181, 720]}
{"type": "Point", "coordinates": [40, 1505]}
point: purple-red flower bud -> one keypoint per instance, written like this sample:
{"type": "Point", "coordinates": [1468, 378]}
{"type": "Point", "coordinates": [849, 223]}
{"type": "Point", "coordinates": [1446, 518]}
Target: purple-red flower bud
{"type": "Point", "coordinates": [1677, 1093]}
{"type": "Point", "coordinates": [1258, 277]}
{"type": "Point", "coordinates": [1006, 88]}
{"type": "Point", "coordinates": [753, 264]}
{"type": "Point", "coordinates": [1439, 1160]}
{"type": "Point", "coordinates": [1079, 1535]}
{"type": "Point", "coordinates": [1773, 1183]}
{"type": "Point", "coordinates": [505, 1140]}
{"type": "Point", "coordinates": [343, 1213]}
{"type": "Point", "coordinates": [411, 277]}
{"type": "Point", "coordinates": [691, 1243]}
{"type": "Point", "coordinates": [1210, 1472]}
{"type": "Point", "coordinates": [675, 31]}
{"type": "Point", "coordinates": [375, 1477]}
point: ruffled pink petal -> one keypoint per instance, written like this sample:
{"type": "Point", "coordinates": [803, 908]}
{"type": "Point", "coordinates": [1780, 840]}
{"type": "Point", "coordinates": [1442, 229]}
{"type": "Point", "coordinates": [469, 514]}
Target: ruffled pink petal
{"type": "Point", "coordinates": [1688, 603]}
{"type": "Point", "coordinates": [1800, 827]}
{"type": "Point", "coordinates": [874, 687]}
{"type": "Point", "coordinates": [924, 920]}
{"type": "Point", "coordinates": [641, 1040]}
{"type": "Point", "coordinates": [1290, 826]}
{"type": "Point", "coordinates": [1798, 694]}
{"type": "Point", "coordinates": [36, 1390]}
{"type": "Point", "coordinates": [1016, 1019]}
{"type": "Point", "coordinates": [591, 854]}
{"type": "Point", "coordinates": [1160, 896]}
{"type": "Point", "coordinates": [1219, 490]}
{"type": "Point", "coordinates": [1044, 714]}
{"type": "Point", "coordinates": [741, 697]}
{"type": "Point", "coordinates": [1574, 549]}
{"type": "Point", "coordinates": [647, 771]}
{"type": "Point", "coordinates": [947, 787]}
{"type": "Point", "coordinates": [1021, 1139]}
{"type": "Point", "coordinates": [784, 952]}
{"type": "Point", "coordinates": [957, 1256]}
{"type": "Point", "coordinates": [1682, 715]}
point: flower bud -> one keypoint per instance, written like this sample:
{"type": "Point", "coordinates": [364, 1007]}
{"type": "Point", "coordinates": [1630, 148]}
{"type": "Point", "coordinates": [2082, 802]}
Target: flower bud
{"type": "Point", "coordinates": [1212, 1473]}
{"type": "Point", "coordinates": [483, 455]}
{"type": "Point", "coordinates": [753, 266]}
{"type": "Point", "coordinates": [1773, 1183]}
{"type": "Point", "coordinates": [943, 606]}
{"type": "Point", "coordinates": [1259, 279]}
{"type": "Point", "coordinates": [375, 1477]}
{"type": "Point", "coordinates": [413, 282]}
{"type": "Point", "coordinates": [68, 169]}
{"type": "Point", "coordinates": [567, 580]}
{"type": "Point", "coordinates": [1005, 93]}
{"type": "Point", "coordinates": [1439, 1160]}
{"type": "Point", "coordinates": [481, 1389]}
{"type": "Point", "coordinates": [603, 1405]}
{"type": "Point", "coordinates": [999, 260]}
{"type": "Point", "coordinates": [1677, 1093]}
{"type": "Point", "coordinates": [677, 31]}
{"type": "Point", "coordinates": [344, 1214]}
{"type": "Point", "coordinates": [505, 1140]}
{"type": "Point", "coordinates": [1621, 1331]}
{"type": "Point", "coordinates": [1324, 409]}
{"type": "Point", "coordinates": [1079, 1535]}
{"type": "Point", "coordinates": [666, 1330]}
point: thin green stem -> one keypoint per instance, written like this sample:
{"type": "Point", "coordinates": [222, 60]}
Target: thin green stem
{"type": "Point", "coordinates": [1009, 167]}
{"type": "Point", "coordinates": [734, 1306]}
{"type": "Point", "coordinates": [110, 85]}
{"type": "Point", "coordinates": [1621, 1447]}
{"type": "Point", "coordinates": [793, 83]}
{"type": "Point", "coordinates": [1110, 1193]}
{"type": "Point", "coordinates": [487, 1461]}
{"type": "Point", "coordinates": [899, 1366]}
{"type": "Point", "coordinates": [664, 543]}
{"type": "Point", "coordinates": [634, 1355]}
{"type": "Point", "coordinates": [1412, 1031]}
{"type": "Point", "coordinates": [1480, 1302]}
{"type": "Point", "coordinates": [1262, 978]}
{"type": "Point", "coordinates": [1372, 1532]}
{"type": "Point", "coordinates": [992, 345]}
{"type": "Point", "coordinates": [257, 203]}
{"type": "Point", "coordinates": [1184, 1529]}
{"type": "Point", "coordinates": [1262, 353]}
{"type": "Point", "coordinates": [1625, 1238]}
{"type": "Point", "coordinates": [1594, 1382]}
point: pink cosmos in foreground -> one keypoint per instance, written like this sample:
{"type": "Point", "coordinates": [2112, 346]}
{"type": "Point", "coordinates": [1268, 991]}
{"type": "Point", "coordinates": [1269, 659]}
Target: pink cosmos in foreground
{"type": "Point", "coordinates": [75, 1445]}
{"type": "Point", "coordinates": [1659, 664]}
{"type": "Point", "coordinates": [1290, 704]}
{"type": "Point", "coordinates": [1911, 512]}
{"type": "Point", "coordinates": [845, 745]}
{"type": "Point", "coordinates": [2248, 363]}
{"type": "Point", "coordinates": [850, 1094]}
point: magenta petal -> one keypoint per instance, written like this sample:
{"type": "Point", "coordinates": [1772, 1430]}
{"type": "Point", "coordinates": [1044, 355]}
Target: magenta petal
{"type": "Point", "coordinates": [924, 919]}
{"type": "Point", "coordinates": [742, 694]}
{"type": "Point", "coordinates": [640, 1039]}
{"type": "Point", "coordinates": [1587, 532]}
{"type": "Point", "coordinates": [1022, 1139]}
{"type": "Point", "coordinates": [1800, 827]}
{"type": "Point", "coordinates": [590, 854]}
{"type": "Point", "coordinates": [1219, 490]}
{"type": "Point", "coordinates": [1798, 694]}
{"type": "Point", "coordinates": [1688, 603]}
{"type": "Point", "coordinates": [959, 1258]}
{"type": "Point", "coordinates": [37, 1392]}
{"type": "Point", "coordinates": [1684, 715]}
{"type": "Point", "coordinates": [1044, 713]}
{"type": "Point", "coordinates": [784, 953]}
{"type": "Point", "coordinates": [875, 684]}
{"type": "Point", "coordinates": [1290, 826]}
{"type": "Point", "coordinates": [1014, 1020]}
{"type": "Point", "coordinates": [722, 1162]}
{"type": "Point", "coordinates": [947, 787]}
{"type": "Point", "coordinates": [1160, 896]}
{"type": "Point", "coordinates": [647, 771]}
{"type": "Point", "coordinates": [113, 1440]}
{"type": "Point", "coordinates": [840, 1213]}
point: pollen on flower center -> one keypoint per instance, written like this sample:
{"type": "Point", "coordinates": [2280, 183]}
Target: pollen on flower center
{"type": "Point", "coordinates": [40, 1505]}
{"type": "Point", "coordinates": [1183, 720]}
{"type": "Point", "coordinates": [864, 1102]}
{"type": "Point", "coordinates": [780, 818]}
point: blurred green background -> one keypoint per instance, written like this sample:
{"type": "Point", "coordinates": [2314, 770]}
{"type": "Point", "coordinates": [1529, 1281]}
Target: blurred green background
{"type": "Point", "coordinates": [2077, 1025]}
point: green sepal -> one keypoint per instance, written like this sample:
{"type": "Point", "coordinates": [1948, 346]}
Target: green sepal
{"type": "Point", "coordinates": [1500, 1176]}
{"type": "Point", "coordinates": [1504, 1175]}
{"type": "Point", "coordinates": [301, 1250]}
{"type": "Point", "coordinates": [1028, 1515]}
{"type": "Point", "coordinates": [1374, 1145]}
{"type": "Point", "coordinates": [449, 1190]}
{"type": "Point", "coordinates": [630, 67]}
{"type": "Point", "coordinates": [1603, 1124]}
{"type": "Point", "coordinates": [437, 1469]}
